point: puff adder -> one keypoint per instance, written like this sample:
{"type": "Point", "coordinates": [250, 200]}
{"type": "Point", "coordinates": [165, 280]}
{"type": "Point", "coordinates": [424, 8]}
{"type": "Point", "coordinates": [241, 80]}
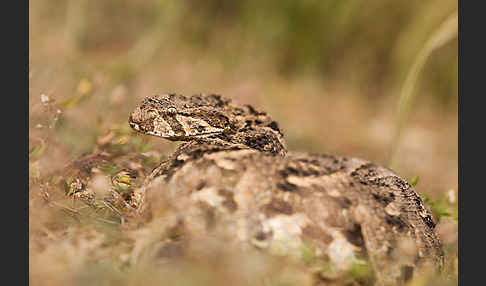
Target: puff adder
{"type": "Point", "coordinates": [234, 166]}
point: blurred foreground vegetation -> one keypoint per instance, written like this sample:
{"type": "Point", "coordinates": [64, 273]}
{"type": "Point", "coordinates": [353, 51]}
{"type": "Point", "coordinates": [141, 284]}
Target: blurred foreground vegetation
{"type": "Point", "coordinates": [331, 72]}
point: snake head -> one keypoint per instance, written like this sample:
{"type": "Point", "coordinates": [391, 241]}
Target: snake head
{"type": "Point", "coordinates": [207, 118]}
{"type": "Point", "coordinates": [182, 118]}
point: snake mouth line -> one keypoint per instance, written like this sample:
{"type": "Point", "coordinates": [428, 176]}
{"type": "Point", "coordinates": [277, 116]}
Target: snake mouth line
{"type": "Point", "coordinates": [178, 137]}
{"type": "Point", "coordinates": [190, 137]}
{"type": "Point", "coordinates": [185, 137]}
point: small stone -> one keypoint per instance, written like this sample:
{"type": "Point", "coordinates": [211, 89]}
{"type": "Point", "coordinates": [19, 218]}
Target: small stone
{"type": "Point", "coordinates": [100, 185]}
{"type": "Point", "coordinates": [451, 196]}
{"type": "Point", "coordinates": [44, 99]}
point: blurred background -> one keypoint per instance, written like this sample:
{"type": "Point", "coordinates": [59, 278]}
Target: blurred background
{"type": "Point", "coordinates": [340, 76]}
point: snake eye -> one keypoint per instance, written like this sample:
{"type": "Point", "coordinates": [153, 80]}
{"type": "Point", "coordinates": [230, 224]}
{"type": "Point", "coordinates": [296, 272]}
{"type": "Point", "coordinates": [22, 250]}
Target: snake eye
{"type": "Point", "coordinates": [171, 111]}
{"type": "Point", "coordinates": [227, 130]}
